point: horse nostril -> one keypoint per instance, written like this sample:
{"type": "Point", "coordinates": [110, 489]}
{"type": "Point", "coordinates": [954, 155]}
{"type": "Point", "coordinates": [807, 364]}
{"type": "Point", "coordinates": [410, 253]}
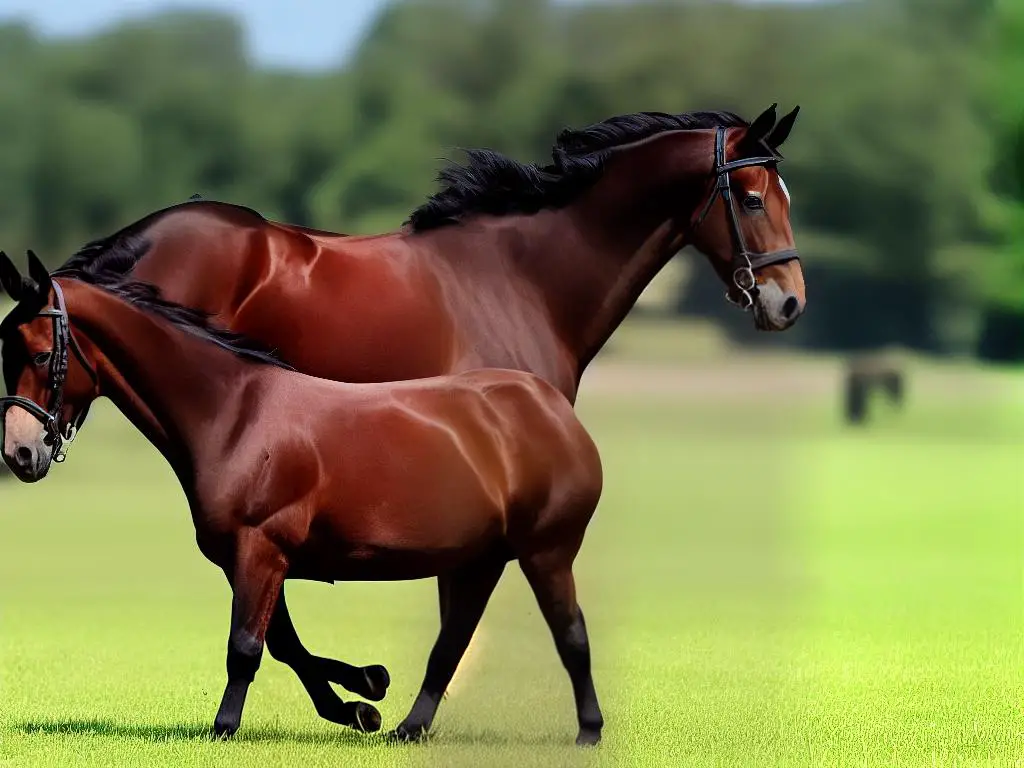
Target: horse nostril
{"type": "Point", "coordinates": [23, 456]}
{"type": "Point", "coordinates": [790, 307]}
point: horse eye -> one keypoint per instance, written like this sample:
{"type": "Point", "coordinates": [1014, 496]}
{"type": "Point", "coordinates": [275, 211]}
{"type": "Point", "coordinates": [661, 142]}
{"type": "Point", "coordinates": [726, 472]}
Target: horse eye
{"type": "Point", "coordinates": [42, 358]}
{"type": "Point", "coordinates": [753, 203]}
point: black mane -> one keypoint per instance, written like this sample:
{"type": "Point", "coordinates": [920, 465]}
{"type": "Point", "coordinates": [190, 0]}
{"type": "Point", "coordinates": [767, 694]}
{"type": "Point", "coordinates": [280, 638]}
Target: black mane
{"type": "Point", "coordinates": [104, 258]}
{"type": "Point", "coordinates": [147, 297]}
{"type": "Point", "coordinates": [107, 263]}
{"type": "Point", "coordinates": [494, 184]}
{"type": "Point", "coordinates": [626, 129]}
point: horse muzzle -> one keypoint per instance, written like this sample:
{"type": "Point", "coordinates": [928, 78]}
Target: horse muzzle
{"type": "Point", "coordinates": [775, 309]}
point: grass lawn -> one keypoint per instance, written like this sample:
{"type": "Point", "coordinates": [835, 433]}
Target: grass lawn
{"type": "Point", "coordinates": [762, 585]}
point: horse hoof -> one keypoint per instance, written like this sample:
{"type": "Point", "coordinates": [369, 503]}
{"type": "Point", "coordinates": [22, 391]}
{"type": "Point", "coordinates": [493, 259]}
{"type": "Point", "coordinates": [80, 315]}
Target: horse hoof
{"type": "Point", "coordinates": [377, 682]}
{"type": "Point", "coordinates": [367, 718]}
{"type": "Point", "coordinates": [588, 737]}
{"type": "Point", "coordinates": [223, 729]}
{"type": "Point", "coordinates": [406, 734]}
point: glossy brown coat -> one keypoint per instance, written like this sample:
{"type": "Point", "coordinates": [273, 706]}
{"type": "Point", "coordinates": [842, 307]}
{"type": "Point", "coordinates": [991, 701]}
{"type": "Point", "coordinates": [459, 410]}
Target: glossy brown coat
{"type": "Point", "coordinates": [291, 476]}
{"type": "Point", "coordinates": [539, 291]}
{"type": "Point", "coordinates": [526, 284]}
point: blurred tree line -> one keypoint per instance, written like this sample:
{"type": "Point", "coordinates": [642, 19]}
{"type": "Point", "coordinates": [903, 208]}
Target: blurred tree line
{"type": "Point", "coordinates": [906, 164]}
{"type": "Point", "coordinates": [1002, 336]}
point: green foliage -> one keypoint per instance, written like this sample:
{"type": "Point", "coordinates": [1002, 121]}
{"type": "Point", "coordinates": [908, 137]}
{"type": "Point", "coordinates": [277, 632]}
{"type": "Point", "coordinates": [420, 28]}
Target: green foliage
{"type": "Point", "coordinates": [1006, 281]}
{"type": "Point", "coordinates": [893, 153]}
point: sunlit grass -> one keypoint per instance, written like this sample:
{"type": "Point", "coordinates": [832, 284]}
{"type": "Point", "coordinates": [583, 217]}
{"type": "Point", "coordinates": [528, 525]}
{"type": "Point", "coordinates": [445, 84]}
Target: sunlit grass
{"type": "Point", "coordinates": [763, 586]}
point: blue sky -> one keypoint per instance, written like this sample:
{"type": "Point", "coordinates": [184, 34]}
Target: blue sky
{"type": "Point", "coordinates": [313, 33]}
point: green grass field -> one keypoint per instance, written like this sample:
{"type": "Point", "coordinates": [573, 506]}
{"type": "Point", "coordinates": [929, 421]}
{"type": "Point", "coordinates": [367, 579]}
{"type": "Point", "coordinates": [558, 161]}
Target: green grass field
{"type": "Point", "coordinates": [763, 586]}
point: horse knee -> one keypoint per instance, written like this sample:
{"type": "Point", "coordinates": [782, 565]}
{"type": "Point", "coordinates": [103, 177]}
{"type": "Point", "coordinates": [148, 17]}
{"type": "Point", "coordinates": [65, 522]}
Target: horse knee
{"type": "Point", "coordinates": [573, 642]}
{"type": "Point", "coordinates": [244, 653]}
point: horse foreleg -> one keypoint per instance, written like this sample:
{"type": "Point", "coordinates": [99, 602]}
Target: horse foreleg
{"type": "Point", "coordinates": [255, 577]}
{"type": "Point", "coordinates": [464, 595]}
{"type": "Point", "coordinates": [314, 672]}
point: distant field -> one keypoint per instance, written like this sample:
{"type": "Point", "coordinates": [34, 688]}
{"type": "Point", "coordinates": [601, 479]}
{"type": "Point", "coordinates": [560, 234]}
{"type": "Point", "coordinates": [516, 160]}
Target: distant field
{"type": "Point", "coordinates": [763, 586]}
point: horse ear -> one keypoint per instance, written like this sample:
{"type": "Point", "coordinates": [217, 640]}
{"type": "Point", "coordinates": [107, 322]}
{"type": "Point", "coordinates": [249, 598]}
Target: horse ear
{"type": "Point", "coordinates": [39, 274]}
{"type": "Point", "coordinates": [752, 144]}
{"type": "Point", "coordinates": [762, 125]}
{"type": "Point", "coordinates": [10, 279]}
{"type": "Point", "coordinates": [781, 131]}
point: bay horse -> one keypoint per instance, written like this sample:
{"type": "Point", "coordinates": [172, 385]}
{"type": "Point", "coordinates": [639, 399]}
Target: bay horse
{"type": "Point", "coordinates": [507, 266]}
{"type": "Point", "coordinates": [292, 476]}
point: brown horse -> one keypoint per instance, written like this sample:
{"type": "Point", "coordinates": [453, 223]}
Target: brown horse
{"type": "Point", "coordinates": [508, 266]}
{"type": "Point", "coordinates": [291, 476]}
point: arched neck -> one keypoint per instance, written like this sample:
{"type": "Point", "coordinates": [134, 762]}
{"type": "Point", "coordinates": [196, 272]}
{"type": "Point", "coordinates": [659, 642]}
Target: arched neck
{"type": "Point", "coordinates": [170, 384]}
{"type": "Point", "coordinates": [591, 260]}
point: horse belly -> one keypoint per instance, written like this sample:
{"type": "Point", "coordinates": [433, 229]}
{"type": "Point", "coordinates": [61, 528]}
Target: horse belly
{"type": "Point", "coordinates": [371, 562]}
{"type": "Point", "coordinates": [426, 490]}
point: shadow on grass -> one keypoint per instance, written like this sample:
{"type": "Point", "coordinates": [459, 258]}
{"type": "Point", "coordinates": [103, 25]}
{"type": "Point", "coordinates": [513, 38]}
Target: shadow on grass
{"type": "Point", "coordinates": [164, 732]}
{"type": "Point", "coordinates": [168, 732]}
{"type": "Point", "coordinates": [493, 738]}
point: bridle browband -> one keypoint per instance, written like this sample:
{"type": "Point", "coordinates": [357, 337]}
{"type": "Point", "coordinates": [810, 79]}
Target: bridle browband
{"type": "Point", "coordinates": [63, 340]}
{"type": "Point", "coordinates": [743, 275]}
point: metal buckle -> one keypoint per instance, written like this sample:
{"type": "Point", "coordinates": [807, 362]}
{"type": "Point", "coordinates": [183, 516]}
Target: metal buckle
{"type": "Point", "coordinates": [744, 281]}
{"type": "Point", "coordinates": [747, 299]}
{"type": "Point", "coordinates": [61, 443]}
{"type": "Point", "coordinates": [743, 278]}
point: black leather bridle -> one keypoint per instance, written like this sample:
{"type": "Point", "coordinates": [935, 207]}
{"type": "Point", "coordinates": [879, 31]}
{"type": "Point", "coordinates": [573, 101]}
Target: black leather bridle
{"type": "Point", "coordinates": [743, 275]}
{"type": "Point", "coordinates": [63, 340]}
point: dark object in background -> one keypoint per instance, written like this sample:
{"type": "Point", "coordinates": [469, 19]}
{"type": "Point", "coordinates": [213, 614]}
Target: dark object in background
{"type": "Point", "coordinates": [1002, 336]}
{"type": "Point", "coordinates": [864, 375]}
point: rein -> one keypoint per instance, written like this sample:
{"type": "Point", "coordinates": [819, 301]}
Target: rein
{"type": "Point", "coordinates": [63, 340]}
{"type": "Point", "coordinates": [743, 276]}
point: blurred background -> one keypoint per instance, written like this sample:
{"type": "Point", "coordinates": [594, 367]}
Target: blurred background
{"type": "Point", "coordinates": [905, 166]}
{"type": "Point", "coordinates": [809, 550]}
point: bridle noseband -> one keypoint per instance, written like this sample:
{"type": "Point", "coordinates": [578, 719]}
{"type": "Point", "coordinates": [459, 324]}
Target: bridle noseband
{"type": "Point", "coordinates": [63, 340]}
{"type": "Point", "coordinates": [743, 276]}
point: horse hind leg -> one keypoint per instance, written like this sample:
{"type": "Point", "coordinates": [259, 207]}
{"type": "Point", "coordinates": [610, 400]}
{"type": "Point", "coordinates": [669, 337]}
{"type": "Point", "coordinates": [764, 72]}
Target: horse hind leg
{"type": "Point", "coordinates": [315, 673]}
{"type": "Point", "coordinates": [464, 594]}
{"type": "Point", "coordinates": [550, 576]}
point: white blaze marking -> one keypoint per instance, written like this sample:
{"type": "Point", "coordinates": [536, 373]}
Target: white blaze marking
{"type": "Point", "coordinates": [785, 189]}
